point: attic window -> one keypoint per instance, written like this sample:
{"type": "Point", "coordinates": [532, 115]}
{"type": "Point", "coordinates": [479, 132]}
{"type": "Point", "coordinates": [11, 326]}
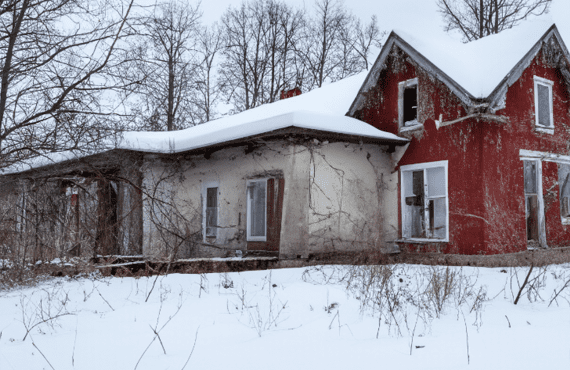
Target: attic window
{"type": "Point", "coordinates": [408, 103]}
{"type": "Point", "coordinates": [543, 105]}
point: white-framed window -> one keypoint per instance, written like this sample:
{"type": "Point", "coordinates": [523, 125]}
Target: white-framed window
{"type": "Point", "coordinates": [210, 196]}
{"type": "Point", "coordinates": [544, 117]}
{"type": "Point", "coordinates": [257, 210]}
{"type": "Point", "coordinates": [531, 195]}
{"type": "Point", "coordinates": [408, 103]}
{"type": "Point", "coordinates": [424, 201]}
{"type": "Point", "coordinates": [564, 189]}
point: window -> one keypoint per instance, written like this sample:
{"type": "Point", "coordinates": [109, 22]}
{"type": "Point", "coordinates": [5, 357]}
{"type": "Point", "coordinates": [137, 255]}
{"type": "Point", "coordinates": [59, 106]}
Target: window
{"type": "Point", "coordinates": [211, 209]}
{"type": "Point", "coordinates": [424, 201]}
{"type": "Point", "coordinates": [531, 199]}
{"type": "Point", "coordinates": [408, 103]}
{"type": "Point", "coordinates": [543, 105]}
{"type": "Point", "coordinates": [257, 210]}
{"type": "Point", "coordinates": [564, 186]}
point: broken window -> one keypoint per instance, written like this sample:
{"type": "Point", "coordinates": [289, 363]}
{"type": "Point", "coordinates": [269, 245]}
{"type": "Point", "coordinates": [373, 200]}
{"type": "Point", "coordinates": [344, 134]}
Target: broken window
{"type": "Point", "coordinates": [256, 210]}
{"type": "Point", "coordinates": [531, 199]}
{"type": "Point", "coordinates": [543, 103]}
{"type": "Point", "coordinates": [408, 102]}
{"type": "Point", "coordinates": [211, 212]}
{"type": "Point", "coordinates": [424, 206]}
{"type": "Point", "coordinates": [564, 188]}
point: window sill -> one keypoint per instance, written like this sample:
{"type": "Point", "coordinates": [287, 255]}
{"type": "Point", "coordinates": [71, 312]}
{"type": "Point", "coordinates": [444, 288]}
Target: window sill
{"type": "Point", "coordinates": [258, 239]}
{"type": "Point", "coordinates": [421, 241]}
{"type": "Point", "coordinates": [544, 130]}
{"type": "Point", "coordinates": [417, 126]}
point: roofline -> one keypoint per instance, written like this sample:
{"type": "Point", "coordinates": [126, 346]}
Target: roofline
{"type": "Point", "coordinates": [395, 39]}
{"type": "Point", "coordinates": [103, 156]}
{"type": "Point", "coordinates": [494, 98]}
{"type": "Point", "coordinates": [515, 73]}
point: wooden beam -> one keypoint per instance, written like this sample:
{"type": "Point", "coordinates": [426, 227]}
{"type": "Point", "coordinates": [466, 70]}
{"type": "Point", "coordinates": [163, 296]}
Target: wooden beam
{"type": "Point", "coordinates": [477, 116]}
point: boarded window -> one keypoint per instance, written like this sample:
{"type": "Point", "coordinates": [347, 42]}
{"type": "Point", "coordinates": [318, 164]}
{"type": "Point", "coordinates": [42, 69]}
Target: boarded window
{"type": "Point", "coordinates": [211, 212]}
{"type": "Point", "coordinates": [256, 209]}
{"type": "Point", "coordinates": [531, 199]}
{"type": "Point", "coordinates": [424, 210]}
{"type": "Point", "coordinates": [564, 188]}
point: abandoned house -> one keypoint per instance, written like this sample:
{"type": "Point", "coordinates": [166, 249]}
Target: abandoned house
{"type": "Point", "coordinates": [441, 146]}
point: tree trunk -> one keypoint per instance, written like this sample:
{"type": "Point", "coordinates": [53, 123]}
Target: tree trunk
{"type": "Point", "coordinates": [170, 113]}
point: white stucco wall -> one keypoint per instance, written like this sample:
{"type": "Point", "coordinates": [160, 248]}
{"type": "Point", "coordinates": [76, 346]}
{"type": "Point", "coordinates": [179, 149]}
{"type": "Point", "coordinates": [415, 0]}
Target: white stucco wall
{"type": "Point", "coordinates": [337, 196]}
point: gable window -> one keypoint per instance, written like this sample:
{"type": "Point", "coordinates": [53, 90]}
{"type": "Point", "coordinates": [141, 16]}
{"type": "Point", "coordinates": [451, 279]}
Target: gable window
{"type": "Point", "coordinates": [544, 120]}
{"type": "Point", "coordinates": [211, 209]}
{"type": "Point", "coordinates": [408, 103]}
{"type": "Point", "coordinates": [564, 188]}
{"type": "Point", "coordinates": [257, 210]}
{"type": "Point", "coordinates": [424, 200]}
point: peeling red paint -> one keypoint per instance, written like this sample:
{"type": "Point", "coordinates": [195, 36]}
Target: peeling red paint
{"type": "Point", "coordinates": [485, 179]}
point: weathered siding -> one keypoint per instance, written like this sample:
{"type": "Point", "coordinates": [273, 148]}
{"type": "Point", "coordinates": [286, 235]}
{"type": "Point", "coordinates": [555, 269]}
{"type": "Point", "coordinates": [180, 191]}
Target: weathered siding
{"type": "Point", "coordinates": [485, 179]}
{"type": "Point", "coordinates": [332, 198]}
{"type": "Point", "coordinates": [503, 178]}
{"type": "Point", "coordinates": [459, 144]}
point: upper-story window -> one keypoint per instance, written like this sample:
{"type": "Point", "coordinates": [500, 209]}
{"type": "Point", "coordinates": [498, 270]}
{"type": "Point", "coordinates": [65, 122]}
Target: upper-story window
{"type": "Point", "coordinates": [408, 103]}
{"type": "Point", "coordinates": [544, 119]}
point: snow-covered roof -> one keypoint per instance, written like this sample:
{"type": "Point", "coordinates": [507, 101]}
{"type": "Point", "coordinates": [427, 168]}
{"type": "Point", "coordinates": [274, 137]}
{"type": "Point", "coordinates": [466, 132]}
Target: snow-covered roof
{"type": "Point", "coordinates": [479, 66]}
{"type": "Point", "coordinates": [322, 110]}
{"type": "Point", "coordinates": [477, 70]}
{"type": "Point", "coordinates": [228, 129]}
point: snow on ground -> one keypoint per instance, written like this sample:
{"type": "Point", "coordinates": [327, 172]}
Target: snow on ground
{"type": "Point", "coordinates": [226, 321]}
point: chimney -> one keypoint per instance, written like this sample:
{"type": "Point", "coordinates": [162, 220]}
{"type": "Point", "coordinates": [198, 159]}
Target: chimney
{"type": "Point", "coordinates": [290, 93]}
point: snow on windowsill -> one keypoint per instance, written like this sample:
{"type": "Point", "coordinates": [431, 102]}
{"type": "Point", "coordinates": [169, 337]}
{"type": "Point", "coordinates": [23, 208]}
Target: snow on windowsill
{"type": "Point", "coordinates": [411, 126]}
{"type": "Point", "coordinates": [544, 130]}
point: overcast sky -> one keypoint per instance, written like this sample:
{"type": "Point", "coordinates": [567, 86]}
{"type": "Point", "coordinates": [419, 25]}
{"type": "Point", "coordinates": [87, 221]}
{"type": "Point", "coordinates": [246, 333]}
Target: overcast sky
{"type": "Point", "coordinates": [411, 15]}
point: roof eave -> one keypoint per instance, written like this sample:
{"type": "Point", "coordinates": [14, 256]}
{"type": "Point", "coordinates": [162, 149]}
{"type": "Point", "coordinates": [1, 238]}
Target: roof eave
{"type": "Point", "coordinates": [395, 39]}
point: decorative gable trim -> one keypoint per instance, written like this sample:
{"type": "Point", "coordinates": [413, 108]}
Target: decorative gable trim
{"type": "Point", "coordinates": [551, 40]}
{"type": "Point", "coordinates": [379, 65]}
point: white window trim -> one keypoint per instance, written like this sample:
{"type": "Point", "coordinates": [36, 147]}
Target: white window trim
{"type": "Point", "coordinates": [540, 197]}
{"type": "Point", "coordinates": [528, 155]}
{"type": "Point", "coordinates": [544, 82]}
{"type": "Point", "coordinates": [251, 238]}
{"type": "Point", "coordinates": [424, 166]}
{"type": "Point", "coordinates": [205, 186]}
{"type": "Point", "coordinates": [401, 87]}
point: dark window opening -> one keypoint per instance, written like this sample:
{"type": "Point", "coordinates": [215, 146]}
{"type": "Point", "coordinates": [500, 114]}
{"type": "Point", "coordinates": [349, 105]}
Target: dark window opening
{"type": "Point", "coordinates": [410, 103]}
{"type": "Point", "coordinates": [211, 212]}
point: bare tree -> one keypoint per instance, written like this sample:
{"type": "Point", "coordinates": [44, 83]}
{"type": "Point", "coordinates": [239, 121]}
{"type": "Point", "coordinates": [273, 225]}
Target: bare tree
{"type": "Point", "coordinates": [207, 93]}
{"type": "Point", "coordinates": [163, 61]}
{"type": "Point", "coordinates": [328, 50]}
{"type": "Point", "coordinates": [260, 57]}
{"type": "Point", "coordinates": [475, 19]}
{"type": "Point", "coordinates": [54, 56]}
{"type": "Point", "coordinates": [368, 37]}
